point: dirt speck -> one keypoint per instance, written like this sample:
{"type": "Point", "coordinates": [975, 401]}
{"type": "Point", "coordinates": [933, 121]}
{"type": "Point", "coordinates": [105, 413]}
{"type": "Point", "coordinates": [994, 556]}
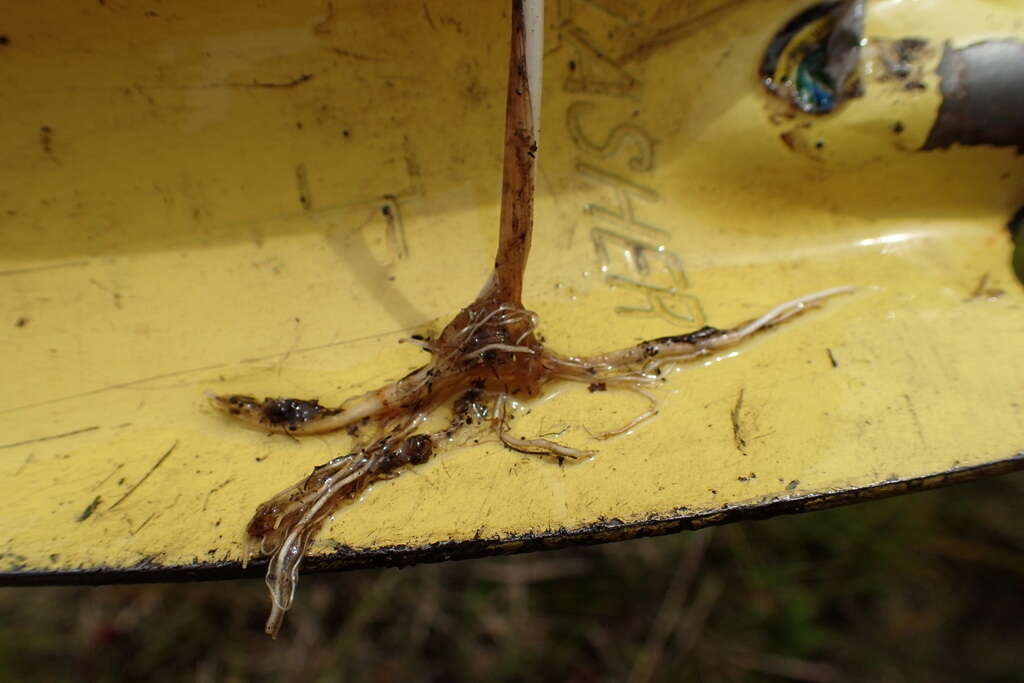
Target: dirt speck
{"type": "Point", "coordinates": [46, 139]}
{"type": "Point", "coordinates": [89, 509]}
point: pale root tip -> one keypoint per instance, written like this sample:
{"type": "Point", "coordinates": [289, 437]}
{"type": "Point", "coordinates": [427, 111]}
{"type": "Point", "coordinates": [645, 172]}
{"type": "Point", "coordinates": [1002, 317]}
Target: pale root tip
{"type": "Point", "coordinates": [216, 400]}
{"type": "Point", "coordinates": [818, 297]}
{"type": "Point", "coordinates": [835, 291]}
{"type": "Point", "coordinates": [273, 625]}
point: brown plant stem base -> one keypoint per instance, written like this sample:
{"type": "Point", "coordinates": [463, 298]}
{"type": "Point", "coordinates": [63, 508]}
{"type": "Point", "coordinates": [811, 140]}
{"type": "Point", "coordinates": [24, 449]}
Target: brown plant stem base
{"type": "Point", "coordinates": [486, 357]}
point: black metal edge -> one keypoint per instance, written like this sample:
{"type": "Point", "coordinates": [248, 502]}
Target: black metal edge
{"type": "Point", "coordinates": [601, 531]}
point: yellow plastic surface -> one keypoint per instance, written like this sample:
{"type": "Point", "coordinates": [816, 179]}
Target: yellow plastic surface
{"type": "Point", "coordinates": [263, 197]}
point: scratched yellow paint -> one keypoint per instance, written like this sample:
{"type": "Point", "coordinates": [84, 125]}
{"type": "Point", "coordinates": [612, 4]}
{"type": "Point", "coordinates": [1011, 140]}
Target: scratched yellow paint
{"type": "Point", "coordinates": [263, 199]}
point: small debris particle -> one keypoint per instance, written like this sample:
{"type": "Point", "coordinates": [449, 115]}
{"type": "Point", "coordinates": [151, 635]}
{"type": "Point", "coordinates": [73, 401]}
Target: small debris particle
{"type": "Point", "coordinates": [46, 139]}
{"type": "Point", "coordinates": [984, 292]}
{"type": "Point", "coordinates": [597, 386]}
{"type": "Point", "coordinates": [737, 428]}
{"type": "Point", "coordinates": [4, 40]}
{"type": "Point", "coordinates": [89, 509]}
{"type": "Point", "coordinates": [302, 182]}
{"type": "Point", "coordinates": [897, 127]}
{"type": "Point", "coordinates": [792, 485]}
{"type": "Point", "coordinates": [832, 358]}
{"type": "Point", "coordinates": [21, 322]}
{"type": "Point", "coordinates": [299, 80]}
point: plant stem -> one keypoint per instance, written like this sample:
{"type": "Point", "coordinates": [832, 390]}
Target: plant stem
{"type": "Point", "coordinates": [522, 127]}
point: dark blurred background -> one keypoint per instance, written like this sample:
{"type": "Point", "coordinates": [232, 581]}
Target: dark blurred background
{"type": "Point", "coordinates": [920, 588]}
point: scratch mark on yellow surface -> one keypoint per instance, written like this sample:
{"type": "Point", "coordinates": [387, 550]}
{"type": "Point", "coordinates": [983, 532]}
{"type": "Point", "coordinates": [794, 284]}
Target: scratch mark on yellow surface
{"type": "Point", "coordinates": [145, 476]}
{"type": "Point", "coordinates": [291, 349]}
{"type": "Point", "coordinates": [132, 532]}
{"type": "Point", "coordinates": [395, 231]}
{"type": "Point", "coordinates": [25, 464]}
{"type": "Point", "coordinates": [915, 418]}
{"type": "Point", "coordinates": [105, 479]}
{"type": "Point", "coordinates": [51, 266]}
{"type": "Point", "coordinates": [675, 32]}
{"type": "Point", "coordinates": [135, 382]}
{"type": "Point", "coordinates": [302, 183]}
{"type": "Point", "coordinates": [737, 428]}
{"type": "Point", "coordinates": [329, 345]}
{"type": "Point", "coordinates": [298, 80]}
{"type": "Point", "coordinates": [355, 55]}
{"type": "Point", "coordinates": [426, 15]}
{"type": "Point", "coordinates": [214, 490]}
{"type": "Point", "coordinates": [323, 27]}
{"type": "Point", "coordinates": [109, 387]}
{"type": "Point", "coordinates": [49, 438]}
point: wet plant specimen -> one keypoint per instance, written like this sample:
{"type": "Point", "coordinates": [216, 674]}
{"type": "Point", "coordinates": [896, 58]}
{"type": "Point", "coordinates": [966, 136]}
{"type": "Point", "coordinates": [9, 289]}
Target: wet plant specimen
{"type": "Point", "coordinates": [488, 356]}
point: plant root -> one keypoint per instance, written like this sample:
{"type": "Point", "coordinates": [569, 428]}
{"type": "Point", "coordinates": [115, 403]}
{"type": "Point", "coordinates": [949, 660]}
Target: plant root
{"type": "Point", "coordinates": [486, 357]}
{"type": "Point", "coordinates": [474, 372]}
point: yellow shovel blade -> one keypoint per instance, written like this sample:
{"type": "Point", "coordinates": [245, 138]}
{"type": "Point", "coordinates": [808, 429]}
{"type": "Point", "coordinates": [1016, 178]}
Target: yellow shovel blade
{"type": "Point", "coordinates": [229, 198]}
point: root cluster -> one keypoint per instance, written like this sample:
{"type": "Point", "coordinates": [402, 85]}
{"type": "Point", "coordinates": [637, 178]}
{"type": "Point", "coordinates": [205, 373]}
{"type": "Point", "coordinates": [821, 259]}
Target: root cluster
{"type": "Point", "coordinates": [488, 356]}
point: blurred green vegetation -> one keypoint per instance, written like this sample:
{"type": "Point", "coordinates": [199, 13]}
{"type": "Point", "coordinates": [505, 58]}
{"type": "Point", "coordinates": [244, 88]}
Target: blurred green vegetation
{"type": "Point", "coordinates": [921, 588]}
